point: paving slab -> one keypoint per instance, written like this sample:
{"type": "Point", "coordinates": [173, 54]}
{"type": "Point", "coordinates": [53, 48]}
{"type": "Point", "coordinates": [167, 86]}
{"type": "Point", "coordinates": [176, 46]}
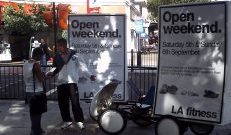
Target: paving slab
{"type": "Point", "coordinates": [15, 120]}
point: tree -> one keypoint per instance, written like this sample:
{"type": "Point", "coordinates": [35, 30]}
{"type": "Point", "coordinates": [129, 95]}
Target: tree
{"type": "Point", "coordinates": [18, 22]}
{"type": "Point", "coordinates": [154, 4]}
{"type": "Point", "coordinates": [21, 22]}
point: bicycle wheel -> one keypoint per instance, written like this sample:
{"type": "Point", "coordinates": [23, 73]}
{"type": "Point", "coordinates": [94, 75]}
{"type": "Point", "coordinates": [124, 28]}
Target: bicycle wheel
{"type": "Point", "coordinates": [167, 126]}
{"type": "Point", "coordinates": [201, 129]}
{"type": "Point", "coordinates": [112, 121]}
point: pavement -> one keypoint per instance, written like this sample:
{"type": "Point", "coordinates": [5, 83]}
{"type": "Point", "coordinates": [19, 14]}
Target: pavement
{"type": "Point", "coordinates": [15, 120]}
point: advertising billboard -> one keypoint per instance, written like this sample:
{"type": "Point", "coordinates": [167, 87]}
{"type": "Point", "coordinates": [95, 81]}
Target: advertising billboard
{"type": "Point", "coordinates": [191, 61]}
{"type": "Point", "coordinates": [100, 40]}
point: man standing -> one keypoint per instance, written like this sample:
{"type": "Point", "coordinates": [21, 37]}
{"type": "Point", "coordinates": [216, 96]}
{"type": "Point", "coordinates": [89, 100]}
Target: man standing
{"type": "Point", "coordinates": [68, 65]}
{"type": "Point", "coordinates": [45, 57]}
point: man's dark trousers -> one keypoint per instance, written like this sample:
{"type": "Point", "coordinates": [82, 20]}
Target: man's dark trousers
{"type": "Point", "coordinates": [67, 92]}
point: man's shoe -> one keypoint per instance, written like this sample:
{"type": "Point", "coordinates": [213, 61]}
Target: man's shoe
{"type": "Point", "coordinates": [164, 89]}
{"type": "Point", "coordinates": [66, 125]}
{"type": "Point", "coordinates": [172, 89]}
{"type": "Point", "coordinates": [210, 94]}
{"type": "Point", "coordinates": [80, 125]}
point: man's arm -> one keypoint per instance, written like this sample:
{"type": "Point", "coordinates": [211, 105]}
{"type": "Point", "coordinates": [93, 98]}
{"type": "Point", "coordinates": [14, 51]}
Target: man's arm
{"type": "Point", "coordinates": [57, 64]}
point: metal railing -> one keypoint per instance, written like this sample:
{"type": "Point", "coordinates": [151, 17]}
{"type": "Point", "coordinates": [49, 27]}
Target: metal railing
{"type": "Point", "coordinates": [141, 70]}
{"type": "Point", "coordinates": [11, 84]}
{"type": "Point", "coordinates": [142, 59]}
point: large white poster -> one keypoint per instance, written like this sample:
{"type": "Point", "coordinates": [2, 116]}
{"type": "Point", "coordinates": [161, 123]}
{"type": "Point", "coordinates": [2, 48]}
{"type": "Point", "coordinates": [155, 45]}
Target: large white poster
{"type": "Point", "coordinates": [100, 40]}
{"type": "Point", "coordinates": [191, 61]}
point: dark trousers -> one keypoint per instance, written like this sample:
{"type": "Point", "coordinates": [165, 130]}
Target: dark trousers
{"type": "Point", "coordinates": [36, 124]}
{"type": "Point", "coordinates": [35, 119]}
{"type": "Point", "coordinates": [67, 92]}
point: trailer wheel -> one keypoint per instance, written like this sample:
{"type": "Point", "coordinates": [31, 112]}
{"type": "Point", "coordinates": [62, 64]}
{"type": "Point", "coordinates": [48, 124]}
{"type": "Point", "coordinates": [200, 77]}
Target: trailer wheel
{"type": "Point", "coordinates": [96, 109]}
{"type": "Point", "coordinates": [168, 126]}
{"type": "Point", "coordinates": [112, 121]}
{"type": "Point", "coordinates": [201, 129]}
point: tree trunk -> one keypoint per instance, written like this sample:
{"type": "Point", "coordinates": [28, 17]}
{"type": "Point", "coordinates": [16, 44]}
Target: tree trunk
{"type": "Point", "coordinates": [19, 46]}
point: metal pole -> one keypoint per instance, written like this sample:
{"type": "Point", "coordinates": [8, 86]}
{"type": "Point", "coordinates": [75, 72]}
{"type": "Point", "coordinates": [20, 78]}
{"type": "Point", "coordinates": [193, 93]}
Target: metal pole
{"type": "Point", "coordinates": [30, 47]}
{"type": "Point", "coordinates": [132, 60]}
{"type": "Point", "coordinates": [88, 8]}
{"type": "Point", "coordinates": [55, 25]}
{"type": "Point", "coordinates": [139, 52]}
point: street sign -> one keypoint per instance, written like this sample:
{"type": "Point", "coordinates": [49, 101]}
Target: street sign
{"type": "Point", "coordinates": [139, 26]}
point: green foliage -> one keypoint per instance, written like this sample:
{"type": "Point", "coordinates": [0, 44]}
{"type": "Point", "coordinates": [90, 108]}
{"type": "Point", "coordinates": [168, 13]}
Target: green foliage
{"type": "Point", "coordinates": [64, 34]}
{"type": "Point", "coordinates": [18, 22]}
{"type": "Point", "coordinates": [154, 4]}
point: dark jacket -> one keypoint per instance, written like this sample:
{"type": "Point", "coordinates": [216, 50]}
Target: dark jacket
{"type": "Point", "coordinates": [59, 62]}
{"type": "Point", "coordinates": [44, 47]}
